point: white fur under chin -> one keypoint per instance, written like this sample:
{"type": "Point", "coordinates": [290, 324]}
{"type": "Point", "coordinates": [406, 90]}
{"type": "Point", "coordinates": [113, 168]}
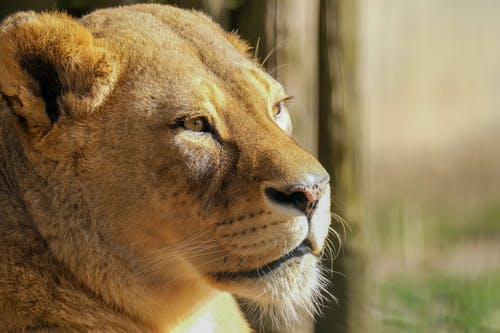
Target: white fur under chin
{"type": "Point", "coordinates": [288, 296]}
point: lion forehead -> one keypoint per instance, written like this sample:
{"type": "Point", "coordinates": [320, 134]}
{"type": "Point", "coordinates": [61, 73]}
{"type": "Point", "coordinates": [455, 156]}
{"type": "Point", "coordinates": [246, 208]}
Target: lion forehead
{"type": "Point", "coordinates": [164, 35]}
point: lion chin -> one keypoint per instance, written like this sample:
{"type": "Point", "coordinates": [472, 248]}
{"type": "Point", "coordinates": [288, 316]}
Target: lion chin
{"type": "Point", "coordinates": [149, 179]}
{"type": "Point", "coordinates": [285, 296]}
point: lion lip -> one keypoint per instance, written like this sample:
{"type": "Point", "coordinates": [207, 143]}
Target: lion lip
{"type": "Point", "coordinates": [299, 251]}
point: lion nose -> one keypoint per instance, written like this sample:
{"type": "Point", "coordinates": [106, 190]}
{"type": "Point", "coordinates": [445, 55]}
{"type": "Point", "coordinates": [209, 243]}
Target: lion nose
{"type": "Point", "coordinates": [303, 195]}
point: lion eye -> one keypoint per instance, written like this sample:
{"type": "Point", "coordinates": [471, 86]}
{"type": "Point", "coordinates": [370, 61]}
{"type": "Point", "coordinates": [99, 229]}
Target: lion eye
{"type": "Point", "coordinates": [279, 110]}
{"type": "Point", "coordinates": [196, 124]}
{"type": "Point", "coordinates": [281, 116]}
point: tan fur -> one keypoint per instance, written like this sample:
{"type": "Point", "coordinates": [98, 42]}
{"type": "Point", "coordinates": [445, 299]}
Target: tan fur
{"type": "Point", "coordinates": [114, 217]}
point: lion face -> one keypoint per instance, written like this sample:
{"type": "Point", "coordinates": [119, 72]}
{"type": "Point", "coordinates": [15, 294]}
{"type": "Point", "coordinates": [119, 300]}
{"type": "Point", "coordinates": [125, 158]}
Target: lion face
{"type": "Point", "coordinates": [187, 164]}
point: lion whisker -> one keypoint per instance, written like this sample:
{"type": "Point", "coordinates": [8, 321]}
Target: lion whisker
{"type": "Point", "coordinates": [339, 219]}
{"type": "Point", "coordinates": [274, 50]}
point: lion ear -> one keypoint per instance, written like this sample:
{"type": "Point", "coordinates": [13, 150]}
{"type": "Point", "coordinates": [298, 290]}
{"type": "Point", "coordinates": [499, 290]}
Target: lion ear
{"type": "Point", "coordinates": [52, 67]}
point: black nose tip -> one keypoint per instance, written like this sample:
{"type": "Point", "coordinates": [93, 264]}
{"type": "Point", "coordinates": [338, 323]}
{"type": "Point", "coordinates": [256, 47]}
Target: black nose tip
{"type": "Point", "coordinates": [303, 195]}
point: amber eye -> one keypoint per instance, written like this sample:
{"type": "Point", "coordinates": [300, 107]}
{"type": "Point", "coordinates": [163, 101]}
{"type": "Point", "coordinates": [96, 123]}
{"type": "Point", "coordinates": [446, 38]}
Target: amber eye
{"type": "Point", "coordinates": [279, 110]}
{"type": "Point", "coordinates": [281, 116]}
{"type": "Point", "coordinates": [196, 124]}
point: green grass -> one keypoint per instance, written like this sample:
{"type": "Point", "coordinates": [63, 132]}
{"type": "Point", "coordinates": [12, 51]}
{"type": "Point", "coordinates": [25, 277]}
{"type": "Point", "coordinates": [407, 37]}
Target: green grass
{"type": "Point", "coordinates": [436, 300]}
{"type": "Point", "coordinates": [440, 304]}
{"type": "Point", "coordinates": [420, 294]}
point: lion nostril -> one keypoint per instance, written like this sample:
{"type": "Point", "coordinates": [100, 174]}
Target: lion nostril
{"type": "Point", "coordinates": [303, 196]}
{"type": "Point", "coordinates": [296, 199]}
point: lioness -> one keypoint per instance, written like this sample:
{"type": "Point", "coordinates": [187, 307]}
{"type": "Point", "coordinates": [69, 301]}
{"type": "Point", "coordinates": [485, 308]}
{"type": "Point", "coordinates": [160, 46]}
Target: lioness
{"type": "Point", "coordinates": [147, 175]}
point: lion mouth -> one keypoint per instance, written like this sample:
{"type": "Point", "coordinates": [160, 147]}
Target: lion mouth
{"type": "Point", "coordinates": [304, 248]}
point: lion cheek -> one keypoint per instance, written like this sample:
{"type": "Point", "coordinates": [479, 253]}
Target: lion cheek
{"type": "Point", "coordinates": [199, 155]}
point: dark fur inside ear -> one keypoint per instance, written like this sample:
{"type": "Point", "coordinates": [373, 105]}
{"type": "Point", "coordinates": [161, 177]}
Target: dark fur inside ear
{"type": "Point", "coordinates": [49, 84]}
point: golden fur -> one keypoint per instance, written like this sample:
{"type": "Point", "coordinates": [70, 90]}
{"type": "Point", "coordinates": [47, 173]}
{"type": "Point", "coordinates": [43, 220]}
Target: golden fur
{"type": "Point", "coordinates": [146, 175]}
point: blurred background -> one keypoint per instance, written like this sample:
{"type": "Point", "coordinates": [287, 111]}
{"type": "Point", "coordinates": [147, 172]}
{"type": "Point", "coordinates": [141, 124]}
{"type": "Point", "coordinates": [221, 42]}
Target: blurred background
{"type": "Point", "coordinates": [400, 101]}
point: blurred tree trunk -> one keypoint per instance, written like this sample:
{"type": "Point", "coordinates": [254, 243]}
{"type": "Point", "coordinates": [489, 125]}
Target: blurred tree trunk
{"type": "Point", "coordinates": [339, 133]}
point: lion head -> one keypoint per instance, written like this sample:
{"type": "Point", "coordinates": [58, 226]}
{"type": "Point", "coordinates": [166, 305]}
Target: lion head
{"type": "Point", "coordinates": [162, 160]}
